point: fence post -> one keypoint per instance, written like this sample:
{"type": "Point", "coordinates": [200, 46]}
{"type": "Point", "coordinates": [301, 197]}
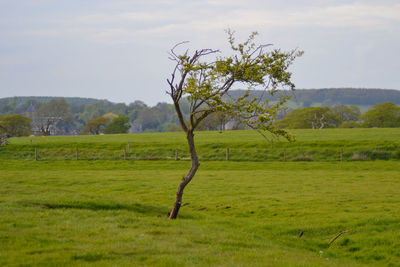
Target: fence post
{"type": "Point", "coordinates": [76, 153]}
{"type": "Point", "coordinates": [227, 154]}
{"type": "Point", "coordinates": [341, 155]}
{"type": "Point", "coordinates": [124, 153]}
{"type": "Point", "coordinates": [176, 154]}
{"type": "Point", "coordinates": [36, 154]}
{"type": "Point", "coordinates": [129, 146]}
{"type": "Point", "coordinates": [284, 155]}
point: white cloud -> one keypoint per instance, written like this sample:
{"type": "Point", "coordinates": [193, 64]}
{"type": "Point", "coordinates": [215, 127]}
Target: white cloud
{"type": "Point", "coordinates": [212, 15]}
{"type": "Point", "coordinates": [344, 40]}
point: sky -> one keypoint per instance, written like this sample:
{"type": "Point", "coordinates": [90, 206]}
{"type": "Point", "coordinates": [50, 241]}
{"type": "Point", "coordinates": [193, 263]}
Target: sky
{"type": "Point", "coordinates": [118, 50]}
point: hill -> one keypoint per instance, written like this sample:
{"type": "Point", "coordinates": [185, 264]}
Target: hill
{"type": "Point", "coordinates": [21, 100]}
{"type": "Point", "coordinates": [364, 98]}
{"type": "Point", "coordinates": [301, 97]}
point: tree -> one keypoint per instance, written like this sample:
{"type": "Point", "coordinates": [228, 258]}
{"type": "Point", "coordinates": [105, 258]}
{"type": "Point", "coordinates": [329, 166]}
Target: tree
{"type": "Point", "coordinates": [15, 125]}
{"type": "Point", "coordinates": [47, 117]}
{"type": "Point", "coordinates": [347, 113]}
{"type": "Point", "coordinates": [95, 125]}
{"type": "Point", "coordinates": [310, 118]}
{"type": "Point", "coordinates": [382, 115]}
{"type": "Point", "coordinates": [118, 125]}
{"type": "Point", "coordinates": [215, 121]}
{"type": "Point", "coordinates": [149, 118]}
{"type": "Point", "coordinates": [205, 79]}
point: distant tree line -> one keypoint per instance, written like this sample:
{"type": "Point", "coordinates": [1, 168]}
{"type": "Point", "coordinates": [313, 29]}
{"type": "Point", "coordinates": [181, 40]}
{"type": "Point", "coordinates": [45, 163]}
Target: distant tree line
{"type": "Point", "coordinates": [71, 116]}
{"type": "Point", "coordinates": [335, 96]}
{"type": "Point", "coordinates": [61, 116]}
{"type": "Point", "coordinates": [385, 115]}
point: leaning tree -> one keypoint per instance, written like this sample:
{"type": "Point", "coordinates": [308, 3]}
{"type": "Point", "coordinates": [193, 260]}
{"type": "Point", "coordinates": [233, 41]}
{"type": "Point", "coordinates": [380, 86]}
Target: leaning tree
{"type": "Point", "coordinates": [204, 78]}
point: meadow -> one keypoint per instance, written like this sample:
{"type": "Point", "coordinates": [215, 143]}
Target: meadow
{"type": "Point", "coordinates": [311, 145]}
{"type": "Point", "coordinates": [237, 213]}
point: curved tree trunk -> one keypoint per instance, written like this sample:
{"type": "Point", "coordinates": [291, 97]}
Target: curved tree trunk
{"type": "Point", "coordinates": [186, 179]}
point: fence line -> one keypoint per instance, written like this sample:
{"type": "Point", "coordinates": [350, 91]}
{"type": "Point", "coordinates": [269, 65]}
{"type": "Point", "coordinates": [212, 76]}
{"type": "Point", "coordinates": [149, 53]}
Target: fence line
{"type": "Point", "coordinates": [216, 154]}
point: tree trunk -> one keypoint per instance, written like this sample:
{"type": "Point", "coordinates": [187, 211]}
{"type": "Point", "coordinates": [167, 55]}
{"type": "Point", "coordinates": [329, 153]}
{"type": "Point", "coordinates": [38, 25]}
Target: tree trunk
{"type": "Point", "coordinates": [186, 179]}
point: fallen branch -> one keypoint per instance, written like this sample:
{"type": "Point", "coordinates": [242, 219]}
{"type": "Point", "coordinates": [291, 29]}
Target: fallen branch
{"type": "Point", "coordinates": [336, 237]}
{"type": "Point", "coordinates": [301, 233]}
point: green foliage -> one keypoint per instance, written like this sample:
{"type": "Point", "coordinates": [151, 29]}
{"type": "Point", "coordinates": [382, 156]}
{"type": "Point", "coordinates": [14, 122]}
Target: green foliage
{"type": "Point", "coordinates": [162, 116]}
{"type": "Point", "coordinates": [95, 126]}
{"type": "Point", "coordinates": [15, 125]}
{"type": "Point", "coordinates": [347, 113]}
{"type": "Point", "coordinates": [106, 213]}
{"type": "Point", "coordinates": [46, 118]}
{"type": "Point", "coordinates": [205, 83]}
{"type": "Point", "coordinates": [214, 121]}
{"type": "Point", "coordinates": [55, 108]}
{"type": "Point", "coordinates": [382, 115]}
{"type": "Point", "coordinates": [310, 118]}
{"type": "Point", "coordinates": [118, 125]}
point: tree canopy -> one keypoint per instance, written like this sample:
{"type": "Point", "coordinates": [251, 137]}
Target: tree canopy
{"type": "Point", "coordinates": [95, 125]}
{"type": "Point", "coordinates": [382, 115]}
{"type": "Point", "coordinates": [47, 116]}
{"type": "Point", "coordinates": [118, 125]}
{"type": "Point", "coordinates": [15, 125]}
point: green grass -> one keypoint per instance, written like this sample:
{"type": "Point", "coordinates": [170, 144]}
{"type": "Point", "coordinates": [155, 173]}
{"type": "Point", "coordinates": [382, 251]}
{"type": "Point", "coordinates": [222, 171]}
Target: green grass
{"type": "Point", "coordinates": [112, 213]}
{"type": "Point", "coordinates": [314, 145]}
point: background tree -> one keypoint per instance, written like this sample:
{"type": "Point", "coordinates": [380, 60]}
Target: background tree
{"type": "Point", "coordinates": [214, 122]}
{"type": "Point", "coordinates": [310, 118]}
{"type": "Point", "coordinates": [382, 115]}
{"type": "Point", "coordinates": [50, 114]}
{"type": "Point", "coordinates": [118, 125]}
{"type": "Point", "coordinates": [149, 118]}
{"type": "Point", "coordinates": [95, 126]}
{"type": "Point", "coordinates": [205, 79]}
{"type": "Point", "coordinates": [15, 125]}
{"type": "Point", "coordinates": [347, 113]}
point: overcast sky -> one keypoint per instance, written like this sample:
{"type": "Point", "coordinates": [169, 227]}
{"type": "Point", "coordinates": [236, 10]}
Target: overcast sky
{"type": "Point", "coordinates": [117, 50]}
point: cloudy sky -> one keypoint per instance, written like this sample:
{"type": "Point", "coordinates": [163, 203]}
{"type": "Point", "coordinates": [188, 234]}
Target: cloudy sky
{"type": "Point", "coordinates": [117, 50]}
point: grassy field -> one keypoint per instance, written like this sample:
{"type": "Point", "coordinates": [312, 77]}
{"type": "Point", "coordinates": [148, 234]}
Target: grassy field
{"type": "Point", "coordinates": [107, 213]}
{"type": "Point", "coordinates": [246, 212]}
{"type": "Point", "coordinates": [311, 145]}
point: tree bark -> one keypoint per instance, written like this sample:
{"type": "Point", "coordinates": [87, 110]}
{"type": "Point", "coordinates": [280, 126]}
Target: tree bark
{"type": "Point", "coordinates": [189, 176]}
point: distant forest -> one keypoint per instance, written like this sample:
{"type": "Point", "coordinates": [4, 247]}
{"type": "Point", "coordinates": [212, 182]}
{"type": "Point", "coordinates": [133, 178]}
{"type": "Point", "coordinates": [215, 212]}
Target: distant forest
{"type": "Point", "coordinates": [161, 117]}
{"type": "Point", "coordinates": [335, 96]}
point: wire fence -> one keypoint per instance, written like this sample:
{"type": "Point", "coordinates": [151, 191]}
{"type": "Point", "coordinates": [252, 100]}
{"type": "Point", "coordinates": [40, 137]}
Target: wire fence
{"type": "Point", "coordinates": [219, 154]}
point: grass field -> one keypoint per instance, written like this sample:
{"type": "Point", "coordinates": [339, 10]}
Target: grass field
{"type": "Point", "coordinates": [311, 145]}
{"type": "Point", "coordinates": [239, 213]}
{"type": "Point", "coordinates": [107, 213]}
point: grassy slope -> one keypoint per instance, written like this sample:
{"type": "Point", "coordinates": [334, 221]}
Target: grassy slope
{"type": "Point", "coordinates": [106, 213]}
{"type": "Point", "coordinates": [319, 145]}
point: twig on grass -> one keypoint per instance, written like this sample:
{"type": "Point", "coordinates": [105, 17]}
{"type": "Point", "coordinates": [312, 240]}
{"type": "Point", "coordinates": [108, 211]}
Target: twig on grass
{"type": "Point", "coordinates": [301, 233]}
{"type": "Point", "coordinates": [336, 237]}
